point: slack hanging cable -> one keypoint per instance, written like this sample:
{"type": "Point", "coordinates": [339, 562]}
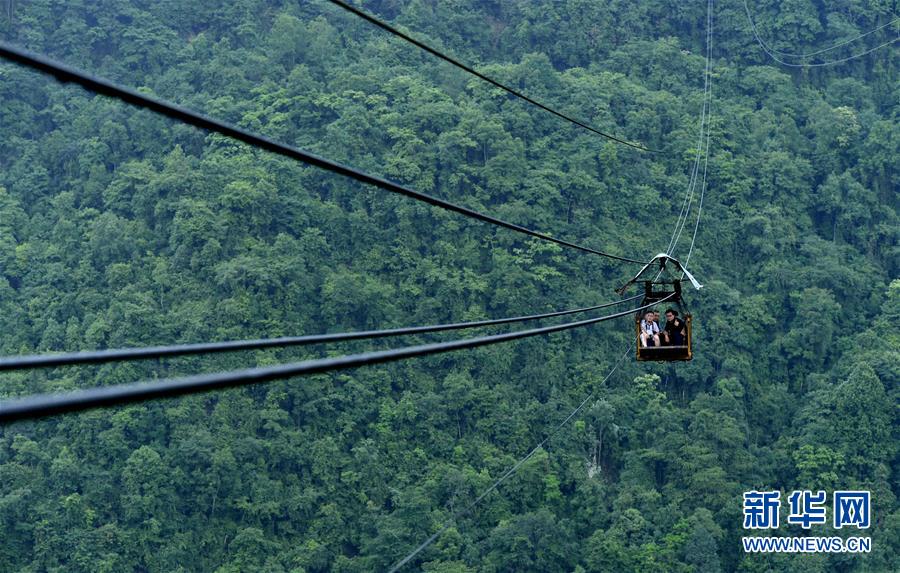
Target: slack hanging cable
{"type": "Point", "coordinates": [434, 52]}
{"type": "Point", "coordinates": [772, 53]}
{"type": "Point", "coordinates": [836, 46]}
{"type": "Point", "coordinates": [65, 73]}
{"type": "Point", "coordinates": [509, 473]}
{"type": "Point", "coordinates": [153, 352]}
{"type": "Point", "coordinates": [41, 405]}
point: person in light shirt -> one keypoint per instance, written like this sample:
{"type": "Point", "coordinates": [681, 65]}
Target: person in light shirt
{"type": "Point", "coordinates": [649, 330]}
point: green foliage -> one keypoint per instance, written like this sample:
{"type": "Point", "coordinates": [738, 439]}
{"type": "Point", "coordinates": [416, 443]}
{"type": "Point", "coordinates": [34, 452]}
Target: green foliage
{"type": "Point", "coordinates": [118, 227]}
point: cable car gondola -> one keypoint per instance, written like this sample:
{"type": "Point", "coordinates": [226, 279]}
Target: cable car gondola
{"type": "Point", "coordinates": [667, 293]}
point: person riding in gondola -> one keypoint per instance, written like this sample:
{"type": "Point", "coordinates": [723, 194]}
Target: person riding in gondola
{"type": "Point", "coordinates": [675, 331]}
{"type": "Point", "coordinates": [659, 341]}
{"type": "Point", "coordinates": [649, 330]}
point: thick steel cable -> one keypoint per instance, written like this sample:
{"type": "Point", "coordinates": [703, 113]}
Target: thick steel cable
{"type": "Point", "coordinates": [434, 52]}
{"type": "Point", "coordinates": [65, 73]}
{"type": "Point", "coordinates": [42, 405]}
{"type": "Point", "coordinates": [770, 52]}
{"type": "Point", "coordinates": [168, 351]}
{"type": "Point", "coordinates": [509, 473]}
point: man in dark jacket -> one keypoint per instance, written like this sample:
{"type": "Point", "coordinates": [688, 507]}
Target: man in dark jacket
{"type": "Point", "coordinates": [675, 332]}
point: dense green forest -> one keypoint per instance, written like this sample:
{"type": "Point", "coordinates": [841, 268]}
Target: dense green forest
{"type": "Point", "coordinates": [119, 227]}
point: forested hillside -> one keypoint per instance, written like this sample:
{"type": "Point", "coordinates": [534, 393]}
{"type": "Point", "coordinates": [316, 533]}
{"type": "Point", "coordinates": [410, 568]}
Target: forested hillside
{"type": "Point", "coordinates": [119, 227]}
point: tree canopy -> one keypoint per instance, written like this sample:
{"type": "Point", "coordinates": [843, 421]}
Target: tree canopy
{"type": "Point", "coordinates": [119, 227]}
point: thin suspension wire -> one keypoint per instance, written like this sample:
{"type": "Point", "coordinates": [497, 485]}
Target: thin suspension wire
{"type": "Point", "coordinates": [709, 38]}
{"type": "Point", "coordinates": [507, 474]}
{"type": "Point", "coordinates": [167, 351]}
{"type": "Point", "coordinates": [433, 51]}
{"type": "Point", "coordinates": [692, 183]}
{"type": "Point", "coordinates": [689, 194]}
{"type": "Point", "coordinates": [836, 46]}
{"type": "Point", "coordinates": [42, 405]}
{"type": "Point", "coordinates": [709, 8]}
{"type": "Point", "coordinates": [704, 124]}
{"type": "Point", "coordinates": [515, 467]}
{"type": "Point", "coordinates": [65, 73]}
{"type": "Point", "coordinates": [772, 54]}
{"type": "Point", "coordinates": [699, 207]}
{"type": "Point", "coordinates": [707, 118]}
